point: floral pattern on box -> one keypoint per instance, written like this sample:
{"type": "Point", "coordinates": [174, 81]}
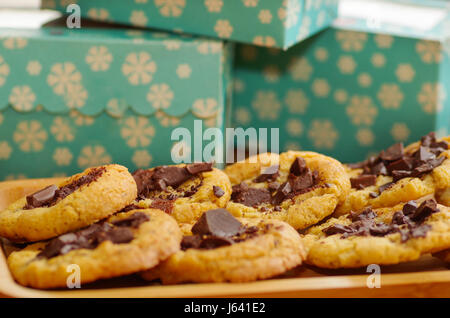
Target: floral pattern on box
{"type": "Point", "coordinates": [271, 23]}
{"type": "Point", "coordinates": [348, 94]}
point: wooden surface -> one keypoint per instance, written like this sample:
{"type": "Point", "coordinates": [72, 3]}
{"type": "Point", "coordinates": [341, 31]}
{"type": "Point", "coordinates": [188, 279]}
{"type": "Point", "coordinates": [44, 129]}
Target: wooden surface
{"type": "Point", "coordinates": [427, 277]}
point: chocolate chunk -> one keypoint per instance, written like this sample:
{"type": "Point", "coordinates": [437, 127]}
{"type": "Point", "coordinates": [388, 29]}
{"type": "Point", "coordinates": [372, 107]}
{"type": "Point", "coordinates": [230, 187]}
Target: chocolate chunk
{"type": "Point", "coordinates": [190, 241]}
{"type": "Point", "coordinates": [142, 179]}
{"type": "Point", "coordinates": [420, 231]}
{"type": "Point", "coordinates": [131, 207]}
{"type": "Point", "coordinates": [423, 154]}
{"type": "Point", "coordinates": [379, 169]}
{"type": "Point", "coordinates": [301, 182]}
{"type": "Point", "coordinates": [363, 181]}
{"type": "Point", "coordinates": [428, 139]}
{"type": "Point", "coordinates": [250, 196]}
{"type": "Point", "coordinates": [133, 221]}
{"type": "Point", "coordinates": [273, 186]}
{"type": "Point", "coordinates": [298, 167]}
{"type": "Point", "coordinates": [393, 153]}
{"type": "Point", "coordinates": [42, 197]}
{"type": "Point", "coordinates": [404, 163]}
{"type": "Point", "coordinates": [215, 242]}
{"type": "Point", "coordinates": [337, 229]}
{"type": "Point", "coordinates": [428, 166]}
{"type": "Point", "coordinates": [400, 174]}
{"type": "Point", "coordinates": [373, 195]}
{"type": "Point", "coordinates": [427, 208]}
{"type": "Point", "coordinates": [357, 165]}
{"type": "Point", "coordinates": [218, 223]}
{"type": "Point", "coordinates": [282, 194]}
{"type": "Point", "coordinates": [409, 208]}
{"type": "Point", "coordinates": [366, 214]}
{"type": "Point", "coordinates": [120, 235]}
{"type": "Point", "coordinates": [170, 176]}
{"type": "Point", "coordinates": [162, 204]}
{"type": "Point", "coordinates": [385, 186]}
{"type": "Point", "coordinates": [196, 168]}
{"type": "Point", "coordinates": [218, 192]}
{"type": "Point", "coordinates": [270, 174]}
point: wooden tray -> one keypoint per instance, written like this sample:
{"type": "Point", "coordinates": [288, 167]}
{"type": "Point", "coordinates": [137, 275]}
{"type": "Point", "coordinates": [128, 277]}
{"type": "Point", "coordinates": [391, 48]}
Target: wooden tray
{"type": "Point", "coordinates": [427, 277]}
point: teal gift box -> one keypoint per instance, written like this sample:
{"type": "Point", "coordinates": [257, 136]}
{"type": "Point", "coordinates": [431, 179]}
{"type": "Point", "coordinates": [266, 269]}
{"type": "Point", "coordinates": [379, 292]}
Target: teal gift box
{"type": "Point", "coordinates": [78, 98]}
{"type": "Point", "coordinates": [271, 23]}
{"type": "Point", "coordinates": [353, 89]}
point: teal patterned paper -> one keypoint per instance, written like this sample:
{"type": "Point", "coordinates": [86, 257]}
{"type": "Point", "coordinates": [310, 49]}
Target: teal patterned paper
{"type": "Point", "coordinates": [270, 23]}
{"type": "Point", "coordinates": [345, 93]}
{"type": "Point", "coordinates": [77, 98]}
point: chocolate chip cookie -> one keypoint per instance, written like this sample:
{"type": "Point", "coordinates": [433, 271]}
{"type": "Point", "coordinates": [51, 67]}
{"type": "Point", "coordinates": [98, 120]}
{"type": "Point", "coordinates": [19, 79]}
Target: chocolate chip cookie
{"type": "Point", "coordinates": [183, 191]}
{"type": "Point", "coordinates": [381, 236]}
{"type": "Point", "coordinates": [125, 243]}
{"type": "Point", "coordinates": [400, 174]}
{"type": "Point", "coordinates": [74, 203]}
{"type": "Point", "coordinates": [304, 188]}
{"type": "Point", "coordinates": [221, 248]}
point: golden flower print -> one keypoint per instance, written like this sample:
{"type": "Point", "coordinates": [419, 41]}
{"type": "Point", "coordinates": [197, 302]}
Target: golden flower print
{"type": "Point", "coordinates": [250, 3]}
{"type": "Point", "coordinates": [271, 73]}
{"type": "Point", "coordinates": [300, 69]}
{"type": "Point", "coordinates": [141, 159]}
{"type": "Point", "coordinates": [340, 96]}
{"type": "Point", "coordinates": [184, 71]}
{"type": "Point", "coordinates": [205, 108]}
{"type": "Point", "coordinates": [351, 40]}
{"type": "Point", "coordinates": [1, 118]}
{"type": "Point", "coordinates": [248, 53]}
{"type": "Point", "coordinates": [34, 68]}
{"type": "Point", "coordinates": [378, 60]}
{"type": "Point", "coordinates": [172, 45]}
{"type": "Point", "coordinates": [266, 105]}
{"type": "Point", "coordinates": [265, 17]}
{"type": "Point", "coordinates": [62, 77]}
{"type": "Point", "coordinates": [266, 41]}
{"type": "Point", "coordinates": [364, 79]}
{"type": "Point", "coordinates": [22, 98]}
{"type": "Point", "coordinates": [400, 132]}
{"type": "Point", "coordinates": [361, 110]}
{"type": "Point", "coordinates": [321, 54]}
{"type": "Point", "coordinates": [289, 12]}
{"type": "Point", "coordinates": [390, 96]}
{"type": "Point", "coordinates": [61, 130]}
{"type": "Point", "coordinates": [242, 116]}
{"type": "Point", "coordinates": [209, 47]}
{"type": "Point", "coordinates": [15, 43]}
{"type": "Point", "coordinates": [116, 107]}
{"type": "Point", "coordinates": [12, 177]}
{"type": "Point", "coordinates": [292, 145]}
{"type": "Point", "coordinates": [139, 68]}
{"type": "Point", "coordinates": [223, 28]}
{"type": "Point", "coordinates": [405, 73]}
{"type": "Point", "coordinates": [321, 88]}
{"type": "Point", "coordinates": [30, 136]}
{"type": "Point", "coordinates": [365, 136]}
{"type": "Point", "coordinates": [99, 14]}
{"type": "Point", "coordinates": [304, 30]}
{"type": "Point", "coordinates": [170, 8]}
{"type": "Point", "coordinates": [238, 85]}
{"type": "Point", "coordinates": [429, 51]}
{"type": "Point", "coordinates": [62, 156]}
{"type": "Point", "coordinates": [137, 131]}
{"type": "Point", "coordinates": [5, 150]}
{"type": "Point", "coordinates": [214, 5]}
{"type": "Point", "coordinates": [211, 122]}
{"type": "Point", "coordinates": [99, 58]}
{"type": "Point", "coordinates": [138, 18]}
{"type": "Point", "coordinates": [76, 96]}
{"type": "Point", "coordinates": [91, 156]}
{"type": "Point", "coordinates": [323, 134]}
{"type": "Point", "coordinates": [160, 96]}
{"type": "Point", "coordinates": [431, 98]}
{"type": "Point", "coordinates": [384, 41]}
{"type": "Point", "coordinates": [297, 101]}
{"type": "Point", "coordinates": [166, 120]}
{"type": "Point", "coordinates": [346, 64]}
{"type": "Point", "coordinates": [4, 71]}
{"type": "Point", "coordinates": [81, 120]}
{"type": "Point", "coordinates": [294, 127]}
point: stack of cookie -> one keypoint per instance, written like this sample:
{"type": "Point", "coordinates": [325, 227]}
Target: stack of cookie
{"type": "Point", "coordinates": [256, 219]}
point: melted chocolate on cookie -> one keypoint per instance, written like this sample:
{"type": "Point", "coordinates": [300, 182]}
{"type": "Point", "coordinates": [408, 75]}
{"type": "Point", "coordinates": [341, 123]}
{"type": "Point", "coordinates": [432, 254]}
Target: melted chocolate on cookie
{"type": "Point", "coordinates": [396, 163]}
{"type": "Point", "coordinates": [407, 222]}
{"type": "Point", "coordinates": [217, 228]}
{"type": "Point", "coordinates": [300, 180]}
{"type": "Point", "coordinates": [154, 183]}
{"type": "Point", "coordinates": [118, 232]}
{"type": "Point", "coordinates": [51, 195]}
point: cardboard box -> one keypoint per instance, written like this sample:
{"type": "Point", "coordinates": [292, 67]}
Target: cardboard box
{"type": "Point", "coordinates": [353, 89]}
{"type": "Point", "coordinates": [271, 23]}
{"type": "Point", "coordinates": [78, 98]}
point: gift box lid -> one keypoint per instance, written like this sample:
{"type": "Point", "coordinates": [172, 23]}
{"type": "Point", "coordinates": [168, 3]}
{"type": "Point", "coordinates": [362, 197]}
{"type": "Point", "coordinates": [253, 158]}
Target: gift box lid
{"type": "Point", "coordinates": [271, 23]}
{"type": "Point", "coordinates": [95, 69]}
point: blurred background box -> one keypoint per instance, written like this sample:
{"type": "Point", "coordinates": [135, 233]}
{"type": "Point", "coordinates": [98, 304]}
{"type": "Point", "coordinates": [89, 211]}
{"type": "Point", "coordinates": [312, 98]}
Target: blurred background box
{"type": "Point", "coordinates": [380, 75]}
{"type": "Point", "coordinates": [272, 23]}
{"type": "Point", "coordinates": [73, 98]}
